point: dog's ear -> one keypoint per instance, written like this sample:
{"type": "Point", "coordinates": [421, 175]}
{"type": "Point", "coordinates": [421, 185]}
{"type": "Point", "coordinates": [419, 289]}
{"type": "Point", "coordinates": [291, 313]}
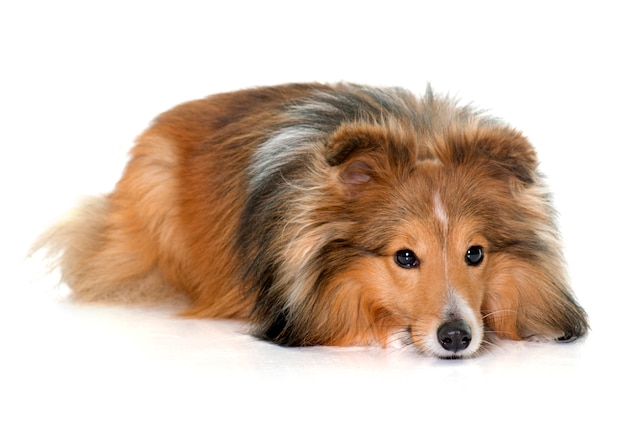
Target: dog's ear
{"type": "Point", "coordinates": [505, 151]}
{"type": "Point", "coordinates": [355, 152]}
{"type": "Point", "coordinates": [349, 140]}
{"type": "Point", "coordinates": [524, 301]}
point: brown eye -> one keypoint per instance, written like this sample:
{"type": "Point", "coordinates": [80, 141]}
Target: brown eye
{"type": "Point", "coordinates": [406, 259]}
{"type": "Point", "coordinates": [474, 255]}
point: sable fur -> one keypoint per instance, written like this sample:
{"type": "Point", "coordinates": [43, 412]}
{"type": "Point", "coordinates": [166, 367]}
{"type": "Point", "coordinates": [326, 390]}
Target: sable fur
{"type": "Point", "coordinates": [285, 205]}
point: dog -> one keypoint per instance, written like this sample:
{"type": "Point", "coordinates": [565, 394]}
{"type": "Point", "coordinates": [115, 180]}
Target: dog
{"type": "Point", "coordinates": [331, 214]}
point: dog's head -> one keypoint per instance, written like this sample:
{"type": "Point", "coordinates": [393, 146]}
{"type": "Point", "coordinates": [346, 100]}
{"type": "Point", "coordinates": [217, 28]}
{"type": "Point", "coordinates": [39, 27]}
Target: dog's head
{"type": "Point", "coordinates": [447, 236]}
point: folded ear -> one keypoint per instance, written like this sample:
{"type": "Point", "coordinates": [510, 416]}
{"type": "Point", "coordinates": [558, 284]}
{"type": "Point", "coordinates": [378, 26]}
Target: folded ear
{"type": "Point", "coordinates": [349, 140]}
{"type": "Point", "coordinates": [504, 150]}
{"type": "Point", "coordinates": [355, 152]}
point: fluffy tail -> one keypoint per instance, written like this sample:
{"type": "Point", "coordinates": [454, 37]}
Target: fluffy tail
{"type": "Point", "coordinates": [101, 259]}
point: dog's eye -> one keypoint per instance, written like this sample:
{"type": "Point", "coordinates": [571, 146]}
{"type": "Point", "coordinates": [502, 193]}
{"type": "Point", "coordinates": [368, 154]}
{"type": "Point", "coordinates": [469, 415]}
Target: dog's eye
{"type": "Point", "coordinates": [406, 259]}
{"type": "Point", "coordinates": [474, 255]}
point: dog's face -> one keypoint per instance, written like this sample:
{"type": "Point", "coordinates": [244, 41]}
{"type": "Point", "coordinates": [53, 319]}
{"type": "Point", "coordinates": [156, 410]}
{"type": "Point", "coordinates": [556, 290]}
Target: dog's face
{"type": "Point", "coordinates": [431, 263]}
{"type": "Point", "coordinates": [436, 277]}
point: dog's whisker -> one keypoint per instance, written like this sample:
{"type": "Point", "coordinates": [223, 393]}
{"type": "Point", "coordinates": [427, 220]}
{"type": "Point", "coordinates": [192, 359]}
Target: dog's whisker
{"type": "Point", "coordinates": [492, 313]}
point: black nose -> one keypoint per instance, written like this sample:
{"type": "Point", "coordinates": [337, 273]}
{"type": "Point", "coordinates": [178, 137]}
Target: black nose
{"type": "Point", "coordinates": [454, 335]}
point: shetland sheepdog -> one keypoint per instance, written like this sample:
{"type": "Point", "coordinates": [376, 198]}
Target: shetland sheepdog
{"type": "Point", "coordinates": [331, 215]}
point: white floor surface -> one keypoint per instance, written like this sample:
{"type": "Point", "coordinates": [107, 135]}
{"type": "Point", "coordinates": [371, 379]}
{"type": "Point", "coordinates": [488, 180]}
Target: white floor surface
{"type": "Point", "coordinates": [100, 363]}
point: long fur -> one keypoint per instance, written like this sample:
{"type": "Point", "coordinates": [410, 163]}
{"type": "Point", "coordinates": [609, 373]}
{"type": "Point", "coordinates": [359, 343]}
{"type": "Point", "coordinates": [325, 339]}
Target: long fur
{"type": "Point", "coordinates": [287, 206]}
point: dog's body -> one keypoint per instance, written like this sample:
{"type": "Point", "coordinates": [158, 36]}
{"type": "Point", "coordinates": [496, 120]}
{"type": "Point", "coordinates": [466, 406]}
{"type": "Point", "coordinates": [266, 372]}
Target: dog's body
{"type": "Point", "coordinates": [331, 214]}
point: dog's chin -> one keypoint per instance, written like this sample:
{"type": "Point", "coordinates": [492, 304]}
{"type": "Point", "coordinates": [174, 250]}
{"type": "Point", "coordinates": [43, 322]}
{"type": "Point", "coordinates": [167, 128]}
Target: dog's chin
{"type": "Point", "coordinates": [453, 355]}
{"type": "Point", "coordinates": [445, 355]}
{"type": "Point", "coordinates": [459, 355]}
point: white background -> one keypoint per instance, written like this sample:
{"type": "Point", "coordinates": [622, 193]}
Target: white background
{"type": "Point", "coordinates": [79, 80]}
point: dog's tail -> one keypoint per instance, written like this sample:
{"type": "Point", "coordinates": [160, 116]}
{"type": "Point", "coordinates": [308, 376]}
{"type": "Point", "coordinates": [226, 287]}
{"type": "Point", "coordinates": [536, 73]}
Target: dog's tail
{"type": "Point", "coordinates": [101, 260]}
